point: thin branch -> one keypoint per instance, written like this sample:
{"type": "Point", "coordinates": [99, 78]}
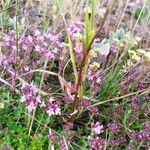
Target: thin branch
{"type": "Point", "coordinates": [9, 85]}
{"type": "Point", "coordinates": [121, 97]}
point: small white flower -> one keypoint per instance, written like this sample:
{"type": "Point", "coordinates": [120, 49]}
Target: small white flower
{"type": "Point", "coordinates": [23, 99]}
{"type": "Point", "coordinates": [27, 68]}
{"type": "Point", "coordinates": [55, 50]}
{"type": "Point", "coordinates": [37, 33]}
{"type": "Point", "coordinates": [42, 105]}
{"type": "Point", "coordinates": [38, 98]}
{"type": "Point", "coordinates": [24, 47]}
{"type": "Point", "coordinates": [51, 99]}
{"type": "Point", "coordinates": [37, 48]}
{"type": "Point", "coordinates": [97, 128]}
{"type": "Point", "coordinates": [57, 111]}
{"type": "Point", "coordinates": [98, 80]}
{"type": "Point", "coordinates": [1, 105]}
{"type": "Point", "coordinates": [50, 112]}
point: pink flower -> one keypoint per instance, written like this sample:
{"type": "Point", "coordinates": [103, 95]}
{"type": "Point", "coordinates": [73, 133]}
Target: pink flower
{"type": "Point", "coordinates": [52, 137]}
{"type": "Point", "coordinates": [146, 126]}
{"type": "Point", "coordinates": [94, 110]}
{"type": "Point", "coordinates": [96, 143]}
{"type": "Point", "coordinates": [119, 140]}
{"type": "Point", "coordinates": [133, 134]}
{"type": "Point", "coordinates": [97, 128]}
{"type": "Point", "coordinates": [113, 48]}
{"type": "Point", "coordinates": [30, 103]}
{"type": "Point", "coordinates": [29, 89]}
{"type": "Point", "coordinates": [53, 109]}
{"type": "Point", "coordinates": [23, 99]}
{"type": "Point", "coordinates": [31, 106]}
{"type": "Point", "coordinates": [144, 135]}
{"type": "Point", "coordinates": [64, 144]}
{"type": "Point", "coordinates": [42, 104]}
{"type": "Point", "coordinates": [114, 127]}
{"type": "Point", "coordinates": [135, 104]}
{"type": "Point", "coordinates": [75, 28]}
{"type": "Point", "coordinates": [68, 125]}
{"type": "Point", "coordinates": [85, 103]}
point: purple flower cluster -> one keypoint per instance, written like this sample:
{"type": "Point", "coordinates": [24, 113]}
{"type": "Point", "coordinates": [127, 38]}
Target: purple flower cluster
{"type": "Point", "coordinates": [69, 125]}
{"type": "Point", "coordinates": [52, 108]}
{"type": "Point", "coordinates": [148, 99]}
{"type": "Point", "coordinates": [96, 143]}
{"type": "Point", "coordinates": [30, 97]}
{"type": "Point", "coordinates": [97, 128]}
{"type": "Point", "coordinates": [114, 127]}
{"type": "Point", "coordinates": [94, 110]}
{"type": "Point", "coordinates": [67, 99]}
{"type": "Point", "coordinates": [120, 140]}
{"type": "Point", "coordinates": [132, 80]}
{"type": "Point", "coordinates": [135, 104]}
{"type": "Point", "coordinates": [117, 113]}
{"type": "Point", "coordinates": [47, 45]}
{"type": "Point", "coordinates": [64, 144]}
{"type": "Point", "coordinates": [133, 134]}
{"type": "Point", "coordinates": [42, 45]}
{"type": "Point", "coordinates": [75, 28]}
{"type": "Point", "coordinates": [85, 103]}
{"type": "Point", "coordinates": [52, 137]}
{"type": "Point", "coordinates": [146, 126]}
{"type": "Point", "coordinates": [94, 76]}
{"type": "Point", "coordinates": [130, 147]}
{"type": "Point", "coordinates": [142, 135]}
{"type": "Point", "coordinates": [29, 89]}
{"type": "Point", "coordinates": [113, 49]}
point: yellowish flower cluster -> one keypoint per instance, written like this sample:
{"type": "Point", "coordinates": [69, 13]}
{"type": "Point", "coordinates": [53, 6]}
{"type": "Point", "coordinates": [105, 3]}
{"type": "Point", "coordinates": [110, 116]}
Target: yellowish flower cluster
{"type": "Point", "coordinates": [95, 65]}
{"type": "Point", "coordinates": [139, 54]}
{"type": "Point", "coordinates": [127, 42]}
{"type": "Point", "coordinates": [93, 53]}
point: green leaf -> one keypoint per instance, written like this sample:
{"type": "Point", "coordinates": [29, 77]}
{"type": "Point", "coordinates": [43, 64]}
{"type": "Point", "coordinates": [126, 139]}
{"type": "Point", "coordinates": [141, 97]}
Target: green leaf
{"type": "Point", "coordinates": [142, 14]}
{"type": "Point", "coordinates": [87, 24]}
{"type": "Point", "coordinates": [73, 58]}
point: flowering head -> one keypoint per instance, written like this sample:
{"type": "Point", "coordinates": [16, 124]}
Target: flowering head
{"type": "Point", "coordinates": [52, 108]}
{"type": "Point", "coordinates": [96, 143]}
{"type": "Point", "coordinates": [30, 103]}
{"type": "Point", "coordinates": [114, 127]}
{"type": "Point", "coordinates": [85, 103]}
{"type": "Point", "coordinates": [29, 89]}
{"type": "Point", "coordinates": [94, 110]}
{"type": "Point", "coordinates": [52, 137]}
{"type": "Point", "coordinates": [97, 128]}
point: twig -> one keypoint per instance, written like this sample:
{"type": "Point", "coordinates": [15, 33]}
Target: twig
{"type": "Point", "coordinates": [8, 84]}
{"type": "Point", "coordinates": [121, 97]}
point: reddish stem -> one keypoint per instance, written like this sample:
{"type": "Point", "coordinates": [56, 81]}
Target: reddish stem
{"type": "Point", "coordinates": [83, 62]}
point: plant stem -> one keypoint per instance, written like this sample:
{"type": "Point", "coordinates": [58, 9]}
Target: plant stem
{"type": "Point", "coordinates": [75, 104]}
